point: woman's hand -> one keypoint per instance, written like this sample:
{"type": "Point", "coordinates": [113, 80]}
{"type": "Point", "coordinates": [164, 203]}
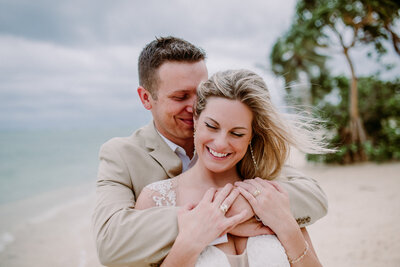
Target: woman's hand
{"type": "Point", "coordinates": [203, 223]}
{"type": "Point", "coordinates": [250, 227]}
{"type": "Point", "coordinates": [270, 202]}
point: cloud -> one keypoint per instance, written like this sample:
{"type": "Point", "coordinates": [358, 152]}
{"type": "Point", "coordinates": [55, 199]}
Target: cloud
{"type": "Point", "coordinates": [74, 62]}
{"type": "Point", "coordinates": [85, 22]}
{"type": "Point", "coordinates": [41, 80]}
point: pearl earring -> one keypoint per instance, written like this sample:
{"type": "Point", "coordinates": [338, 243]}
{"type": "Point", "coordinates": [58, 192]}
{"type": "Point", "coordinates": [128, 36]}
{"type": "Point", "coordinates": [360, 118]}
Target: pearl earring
{"type": "Point", "coordinates": [252, 156]}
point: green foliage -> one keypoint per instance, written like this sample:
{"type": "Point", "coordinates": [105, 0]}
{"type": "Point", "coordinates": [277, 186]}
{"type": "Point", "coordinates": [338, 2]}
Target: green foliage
{"type": "Point", "coordinates": [292, 55]}
{"type": "Point", "coordinates": [321, 27]}
{"type": "Point", "coordinates": [379, 108]}
{"type": "Point", "coordinates": [370, 21]}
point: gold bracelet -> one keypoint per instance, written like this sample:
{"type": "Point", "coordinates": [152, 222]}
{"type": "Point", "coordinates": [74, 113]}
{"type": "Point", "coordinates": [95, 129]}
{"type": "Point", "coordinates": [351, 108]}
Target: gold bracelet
{"type": "Point", "coordinates": [301, 256]}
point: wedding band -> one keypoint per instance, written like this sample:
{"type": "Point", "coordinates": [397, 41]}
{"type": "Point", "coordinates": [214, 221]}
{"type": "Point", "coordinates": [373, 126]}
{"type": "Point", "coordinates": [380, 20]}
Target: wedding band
{"type": "Point", "coordinates": [223, 208]}
{"type": "Point", "coordinates": [256, 193]}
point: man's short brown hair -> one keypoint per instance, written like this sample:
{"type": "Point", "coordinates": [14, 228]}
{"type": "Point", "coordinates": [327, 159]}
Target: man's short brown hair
{"type": "Point", "coordinates": [161, 50]}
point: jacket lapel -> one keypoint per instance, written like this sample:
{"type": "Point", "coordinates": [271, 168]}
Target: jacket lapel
{"type": "Point", "coordinates": [161, 152]}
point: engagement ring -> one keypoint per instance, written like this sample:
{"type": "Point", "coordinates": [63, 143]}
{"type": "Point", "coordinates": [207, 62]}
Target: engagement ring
{"type": "Point", "coordinates": [256, 193]}
{"type": "Point", "coordinates": [223, 208]}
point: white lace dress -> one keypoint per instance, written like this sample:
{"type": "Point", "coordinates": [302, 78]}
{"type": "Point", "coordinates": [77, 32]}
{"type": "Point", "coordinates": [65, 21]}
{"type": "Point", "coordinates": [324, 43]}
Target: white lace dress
{"type": "Point", "coordinates": [261, 251]}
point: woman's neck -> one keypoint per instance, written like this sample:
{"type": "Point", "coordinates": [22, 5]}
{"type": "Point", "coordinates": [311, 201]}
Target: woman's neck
{"type": "Point", "coordinates": [202, 177]}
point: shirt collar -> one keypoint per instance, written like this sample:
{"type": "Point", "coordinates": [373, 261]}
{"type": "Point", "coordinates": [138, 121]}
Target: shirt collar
{"type": "Point", "coordinates": [187, 163]}
{"type": "Point", "coordinates": [172, 145]}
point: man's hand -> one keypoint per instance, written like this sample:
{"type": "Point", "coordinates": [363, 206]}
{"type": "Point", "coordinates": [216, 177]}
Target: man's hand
{"type": "Point", "coordinates": [251, 227]}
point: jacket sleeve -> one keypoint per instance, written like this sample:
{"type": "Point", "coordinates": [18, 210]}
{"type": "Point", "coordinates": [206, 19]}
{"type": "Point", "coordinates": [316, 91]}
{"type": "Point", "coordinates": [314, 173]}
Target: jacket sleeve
{"type": "Point", "coordinates": [125, 236]}
{"type": "Point", "coordinates": [307, 200]}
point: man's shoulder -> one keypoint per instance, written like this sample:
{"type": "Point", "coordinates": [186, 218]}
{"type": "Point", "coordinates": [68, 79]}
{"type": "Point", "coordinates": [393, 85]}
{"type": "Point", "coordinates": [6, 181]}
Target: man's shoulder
{"type": "Point", "coordinates": [136, 141]}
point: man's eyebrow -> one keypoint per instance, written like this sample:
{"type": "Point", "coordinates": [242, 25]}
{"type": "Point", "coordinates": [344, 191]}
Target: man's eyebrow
{"type": "Point", "coordinates": [235, 128]}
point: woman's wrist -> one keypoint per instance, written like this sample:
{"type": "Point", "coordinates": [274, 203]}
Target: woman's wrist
{"type": "Point", "coordinates": [183, 253]}
{"type": "Point", "coordinates": [287, 227]}
{"type": "Point", "coordinates": [188, 246]}
{"type": "Point", "coordinates": [300, 257]}
{"type": "Point", "coordinates": [292, 239]}
{"type": "Point", "coordinates": [282, 225]}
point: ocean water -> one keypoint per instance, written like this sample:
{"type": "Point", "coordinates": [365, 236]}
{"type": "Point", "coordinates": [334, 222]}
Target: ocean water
{"type": "Point", "coordinates": [34, 162]}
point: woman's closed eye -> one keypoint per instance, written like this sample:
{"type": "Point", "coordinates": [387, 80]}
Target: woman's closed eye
{"type": "Point", "coordinates": [237, 134]}
{"type": "Point", "coordinates": [210, 126]}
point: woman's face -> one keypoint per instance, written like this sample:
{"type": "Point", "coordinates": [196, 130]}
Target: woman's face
{"type": "Point", "coordinates": [223, 133]}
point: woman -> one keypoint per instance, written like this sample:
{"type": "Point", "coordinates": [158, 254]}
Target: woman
{"type": "Point", "coordinates": [238, 135]}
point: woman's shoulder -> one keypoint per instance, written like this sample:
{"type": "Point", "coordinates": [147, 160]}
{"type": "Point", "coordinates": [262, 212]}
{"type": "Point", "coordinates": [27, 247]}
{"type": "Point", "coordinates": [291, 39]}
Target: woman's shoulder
{"type": "Point", "coordinates": [162, 186]}
{"type": "Point", "coordinates": [160, 193]}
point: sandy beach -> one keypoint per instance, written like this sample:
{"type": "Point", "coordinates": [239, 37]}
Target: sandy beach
{"type": "Point", "coordinates": [361, 229]}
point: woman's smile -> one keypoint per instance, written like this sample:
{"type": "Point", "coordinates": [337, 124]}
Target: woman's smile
{"type": "Point", "coordinates": [217, 154]}
{"type": "Point", "coordinates": [223, 133]}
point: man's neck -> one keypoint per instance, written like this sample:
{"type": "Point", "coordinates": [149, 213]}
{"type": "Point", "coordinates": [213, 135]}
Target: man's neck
{"type": "Point", "coordinates": [189, 150]}
{"type": "Point", "coordinates": [186, 144]}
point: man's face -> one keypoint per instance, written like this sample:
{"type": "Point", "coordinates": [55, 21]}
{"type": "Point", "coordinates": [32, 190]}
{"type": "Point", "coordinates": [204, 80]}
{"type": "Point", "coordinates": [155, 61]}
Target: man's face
{"type": "Point", "coordinates": [173, 110]}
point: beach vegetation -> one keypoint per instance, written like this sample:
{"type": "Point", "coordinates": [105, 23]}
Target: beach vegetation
{"type": "Point", "coordinates": [379, 106]}
{"type": "Point", "coordinates": [322, 28]}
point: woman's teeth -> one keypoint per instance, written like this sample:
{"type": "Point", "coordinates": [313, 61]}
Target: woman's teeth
{"type": "Point", "coordinates": [216, 154]}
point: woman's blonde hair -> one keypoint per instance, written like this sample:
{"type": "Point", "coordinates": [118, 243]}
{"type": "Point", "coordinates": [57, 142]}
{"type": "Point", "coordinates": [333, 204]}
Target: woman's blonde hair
{"type": "Point", "coordinates": [273, 132]}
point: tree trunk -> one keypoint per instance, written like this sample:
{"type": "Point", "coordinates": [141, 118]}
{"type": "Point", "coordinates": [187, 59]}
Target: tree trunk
{"type": "Point", "coordinates": [356, 128]}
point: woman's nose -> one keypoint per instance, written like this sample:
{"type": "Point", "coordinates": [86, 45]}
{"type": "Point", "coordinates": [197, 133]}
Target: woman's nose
{"type": "Point", "coordinates": [220, 142]}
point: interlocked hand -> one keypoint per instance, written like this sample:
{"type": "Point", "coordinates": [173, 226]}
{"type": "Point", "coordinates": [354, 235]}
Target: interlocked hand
{"type": "Point", "coordinates": [269, 200]}
{"type": "Point", "coordinates": [206, 221]}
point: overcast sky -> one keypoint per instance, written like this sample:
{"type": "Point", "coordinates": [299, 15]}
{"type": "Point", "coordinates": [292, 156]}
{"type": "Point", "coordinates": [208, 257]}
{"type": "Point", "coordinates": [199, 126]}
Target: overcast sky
{"type": "Point", "coordinates": [73, 63]}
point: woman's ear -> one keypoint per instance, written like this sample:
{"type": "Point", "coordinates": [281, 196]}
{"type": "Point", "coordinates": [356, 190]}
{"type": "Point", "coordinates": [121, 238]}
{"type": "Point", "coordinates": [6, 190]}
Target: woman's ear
{"type": "Point", "coordinates": [251, 140]}
{"type": "Point", "coordinates": [145, 97]}
{"type": "Point", "coordinates": [194, 125]}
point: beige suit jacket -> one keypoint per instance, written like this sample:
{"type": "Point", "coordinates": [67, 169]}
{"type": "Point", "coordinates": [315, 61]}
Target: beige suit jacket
{"type": "Point", "coordinates": [128, 237]}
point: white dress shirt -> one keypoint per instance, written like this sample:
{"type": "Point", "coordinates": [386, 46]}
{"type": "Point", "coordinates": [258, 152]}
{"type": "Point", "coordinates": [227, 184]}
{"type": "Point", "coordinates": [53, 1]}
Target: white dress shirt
{"type": "Point", "coordinates": [187, 163]}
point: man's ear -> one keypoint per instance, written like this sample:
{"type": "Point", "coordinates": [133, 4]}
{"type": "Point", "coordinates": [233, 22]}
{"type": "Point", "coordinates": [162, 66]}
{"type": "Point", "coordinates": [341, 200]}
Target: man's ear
{"type": "Point", "coordinates": [145, 97]}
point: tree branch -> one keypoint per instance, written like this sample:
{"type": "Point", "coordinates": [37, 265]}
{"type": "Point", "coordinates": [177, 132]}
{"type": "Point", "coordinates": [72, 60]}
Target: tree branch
{"type": "Point", "coordinates": [395, 39]}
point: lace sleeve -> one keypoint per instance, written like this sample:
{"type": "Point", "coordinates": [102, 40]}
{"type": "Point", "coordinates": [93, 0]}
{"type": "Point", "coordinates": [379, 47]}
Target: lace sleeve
{"type": "Point", "coordinates": [163, 193]}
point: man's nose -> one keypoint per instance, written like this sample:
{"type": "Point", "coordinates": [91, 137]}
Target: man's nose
{"type": "Point", "coordinates": [189, 108]}
{"type": "Point", "coordinates": [190, 104]}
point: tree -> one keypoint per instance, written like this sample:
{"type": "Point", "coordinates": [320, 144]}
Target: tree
{"type": "Point", "coordinates": [379, 107]}
{"type": "Point", "coordinates": [344, 24]}
{"type": "Point", "coordinates": [293, 57]}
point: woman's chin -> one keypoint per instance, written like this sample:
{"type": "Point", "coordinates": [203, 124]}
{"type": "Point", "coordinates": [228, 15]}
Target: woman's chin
{"type": "Point", "coordinates": [217, 168]}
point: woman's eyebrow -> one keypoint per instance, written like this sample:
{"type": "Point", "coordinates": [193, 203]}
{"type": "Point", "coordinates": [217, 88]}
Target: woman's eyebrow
{"type": "Point", "coordinates": [212, 120]}
{"type": "Point", "coordinates": [239, 128]}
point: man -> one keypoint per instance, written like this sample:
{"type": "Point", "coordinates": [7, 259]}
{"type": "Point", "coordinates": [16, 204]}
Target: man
{"type": "Point", "coordinates": [169, 71]}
